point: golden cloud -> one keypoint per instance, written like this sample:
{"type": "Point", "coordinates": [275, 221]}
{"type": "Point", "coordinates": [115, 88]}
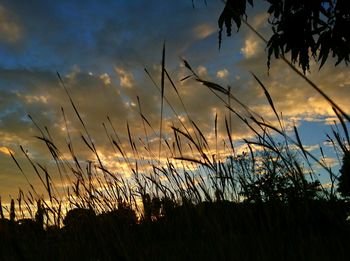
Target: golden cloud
{"type": "Point", "coordinates": [105, 78]}
{"type": "Point", "coordinates": [126, 78]}
{"type": "Point", "coordinates": [222, 73]}
{"type": "Point", "coordinates": [6, 151]}
{"type": "Point", "coordinates": [250, 47]}
{"type": "Point", "coordinates": [36, 99]}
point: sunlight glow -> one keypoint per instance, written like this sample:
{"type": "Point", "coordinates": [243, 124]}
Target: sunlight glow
{"type": "Point", "coordinates": [6, 151]}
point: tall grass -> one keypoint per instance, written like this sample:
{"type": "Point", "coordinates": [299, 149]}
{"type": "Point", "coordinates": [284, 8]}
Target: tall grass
{"type": "Point", "coordinates": [274, 165]}
{"type": "Point", "coordinates": [198, 192]}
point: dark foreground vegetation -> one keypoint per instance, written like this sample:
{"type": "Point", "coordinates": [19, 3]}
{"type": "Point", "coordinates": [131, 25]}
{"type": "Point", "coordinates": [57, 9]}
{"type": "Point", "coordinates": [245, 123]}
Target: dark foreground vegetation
{"type": "Point", "coordinates": [309, 230]}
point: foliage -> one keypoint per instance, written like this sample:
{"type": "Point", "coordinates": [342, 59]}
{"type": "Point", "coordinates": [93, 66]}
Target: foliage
{"type": "Point", "coordinates": [304, 28]}
{"type": "Point", "coordinates": [344, 179]}
{"type": "Point", "coordinates": [206, 231]}
{"type": "Point", "coordinates": [276, 183]}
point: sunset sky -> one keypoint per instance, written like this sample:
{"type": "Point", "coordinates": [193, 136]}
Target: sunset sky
{"type": "Point", "coordinates": [100, 49]}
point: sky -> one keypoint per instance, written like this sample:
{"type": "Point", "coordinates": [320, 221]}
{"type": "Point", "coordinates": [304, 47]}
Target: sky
{"type": "Point", "coordinates": [101, 48]}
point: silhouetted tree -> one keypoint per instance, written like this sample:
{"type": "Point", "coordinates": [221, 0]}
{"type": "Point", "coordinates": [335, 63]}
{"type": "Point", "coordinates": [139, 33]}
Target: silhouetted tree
{"type": "Point", "coordinates": [305, 28]}
{"type": "Point", "coordinates": [344, 179]}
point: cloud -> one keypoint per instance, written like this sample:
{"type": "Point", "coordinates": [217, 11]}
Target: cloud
{"type": "Point", "coordinates": [250, 47]}
{"type": "Point", "coordinates": [203, 31]}
{"type": "Point", "coordinates": [330, 161]}
{"type": "Point", "coordinates": [202, 71]}
{"type": "Point", "coordinates": [34, 98]}
{"type": "Point", "coordinates": [222, 73]}
{"type": "Point", "coordinates": [10, 30]}
{"type": "Point", "coordinates": [126, 78]}
{"type": "Point", "coordinates": [5, 150]}
{"type": "Point", "coordinates": [105, 78]}
{"type": "Point", "coordinates": [260, 20]}
{"type": "Point", "coordinates": [291, 94]}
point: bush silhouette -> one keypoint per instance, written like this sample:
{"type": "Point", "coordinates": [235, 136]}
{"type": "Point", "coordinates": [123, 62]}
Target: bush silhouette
{"type": "Point", "coordinates": [79, 217]}
{"type": "Point", "coordinates": [344, 179]}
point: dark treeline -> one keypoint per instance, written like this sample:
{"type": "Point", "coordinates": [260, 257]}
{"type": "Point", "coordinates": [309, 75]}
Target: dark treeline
{"type": "Point", "coordinates": [222, 230]}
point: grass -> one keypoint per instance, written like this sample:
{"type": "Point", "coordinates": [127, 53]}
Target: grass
{"type": "Point", "coordinates": [200, 203]}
